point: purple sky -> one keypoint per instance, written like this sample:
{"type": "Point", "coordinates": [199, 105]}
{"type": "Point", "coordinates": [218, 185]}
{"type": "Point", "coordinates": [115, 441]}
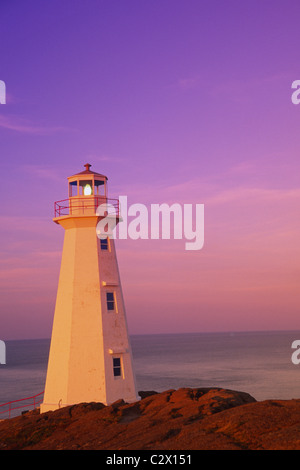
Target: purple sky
{"type": "Point", "coordinates": [175, 101]}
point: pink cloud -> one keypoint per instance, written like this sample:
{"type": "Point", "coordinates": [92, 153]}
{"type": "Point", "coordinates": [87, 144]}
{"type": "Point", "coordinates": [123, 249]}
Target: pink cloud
{"type": "Point", "coordinates": [244, 276]}
{"type": "Point", "coordinates": [17, 124]}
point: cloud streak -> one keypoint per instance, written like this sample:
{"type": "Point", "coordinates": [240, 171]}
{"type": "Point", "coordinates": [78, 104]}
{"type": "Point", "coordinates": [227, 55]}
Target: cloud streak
{"type": "Point", "coordinates": [16, 124]}
{"type": "Point", "coordinates": [44, 172]}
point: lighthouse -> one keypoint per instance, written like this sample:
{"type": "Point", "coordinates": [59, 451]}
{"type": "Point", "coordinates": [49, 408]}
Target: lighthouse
{"type": "Point", "coordinates": [90, 357]}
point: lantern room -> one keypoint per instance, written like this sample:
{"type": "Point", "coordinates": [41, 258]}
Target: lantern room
{"type": "Point", "coordinates": [87, 183]}
{"type": "Point", "coordinates": [87, 190]}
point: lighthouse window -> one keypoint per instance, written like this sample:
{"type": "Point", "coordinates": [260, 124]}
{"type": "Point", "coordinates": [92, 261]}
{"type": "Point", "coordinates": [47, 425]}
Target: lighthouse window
{"type": "Point", "coordinates": [117, 366]}
{"type": "Point", "coordinates": [110, 300]}
{"type": "Point", "coordinates": [104, 244]}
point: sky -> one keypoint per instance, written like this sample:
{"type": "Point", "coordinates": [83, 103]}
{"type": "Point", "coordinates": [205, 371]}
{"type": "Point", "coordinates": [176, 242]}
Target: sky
{"type": "Point", "coordinates": [176, 101]}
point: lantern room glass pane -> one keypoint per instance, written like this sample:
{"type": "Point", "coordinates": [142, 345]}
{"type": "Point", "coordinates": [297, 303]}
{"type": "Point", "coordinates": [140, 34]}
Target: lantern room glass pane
{"type": "Point", "coordinates": [73, 189]}
{"type": "Point", "coordinates": [85, 188]}
{"type": "Point", "coordinates": [99, 188]}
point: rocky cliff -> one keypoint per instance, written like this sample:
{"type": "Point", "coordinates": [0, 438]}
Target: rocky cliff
{"type": "Point", "coordinates": [183, 419]}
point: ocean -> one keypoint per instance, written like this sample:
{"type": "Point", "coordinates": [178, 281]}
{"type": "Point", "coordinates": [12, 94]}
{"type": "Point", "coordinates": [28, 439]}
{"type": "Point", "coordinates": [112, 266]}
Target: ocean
{"type": "Point", "coordinates": [258, 363]}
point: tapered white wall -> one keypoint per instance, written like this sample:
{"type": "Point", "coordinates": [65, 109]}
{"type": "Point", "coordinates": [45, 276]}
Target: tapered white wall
{"type": "Point", "coordinates": [86, 335]}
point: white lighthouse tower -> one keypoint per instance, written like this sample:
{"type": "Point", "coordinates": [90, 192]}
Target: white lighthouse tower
{"type": "Point", "coordinates": [90, 355]}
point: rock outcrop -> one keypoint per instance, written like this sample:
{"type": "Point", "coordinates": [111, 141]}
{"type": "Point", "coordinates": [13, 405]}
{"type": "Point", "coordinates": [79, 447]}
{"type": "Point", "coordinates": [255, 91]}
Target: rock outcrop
{"type": "Point", "coordinates": [183, 419]}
